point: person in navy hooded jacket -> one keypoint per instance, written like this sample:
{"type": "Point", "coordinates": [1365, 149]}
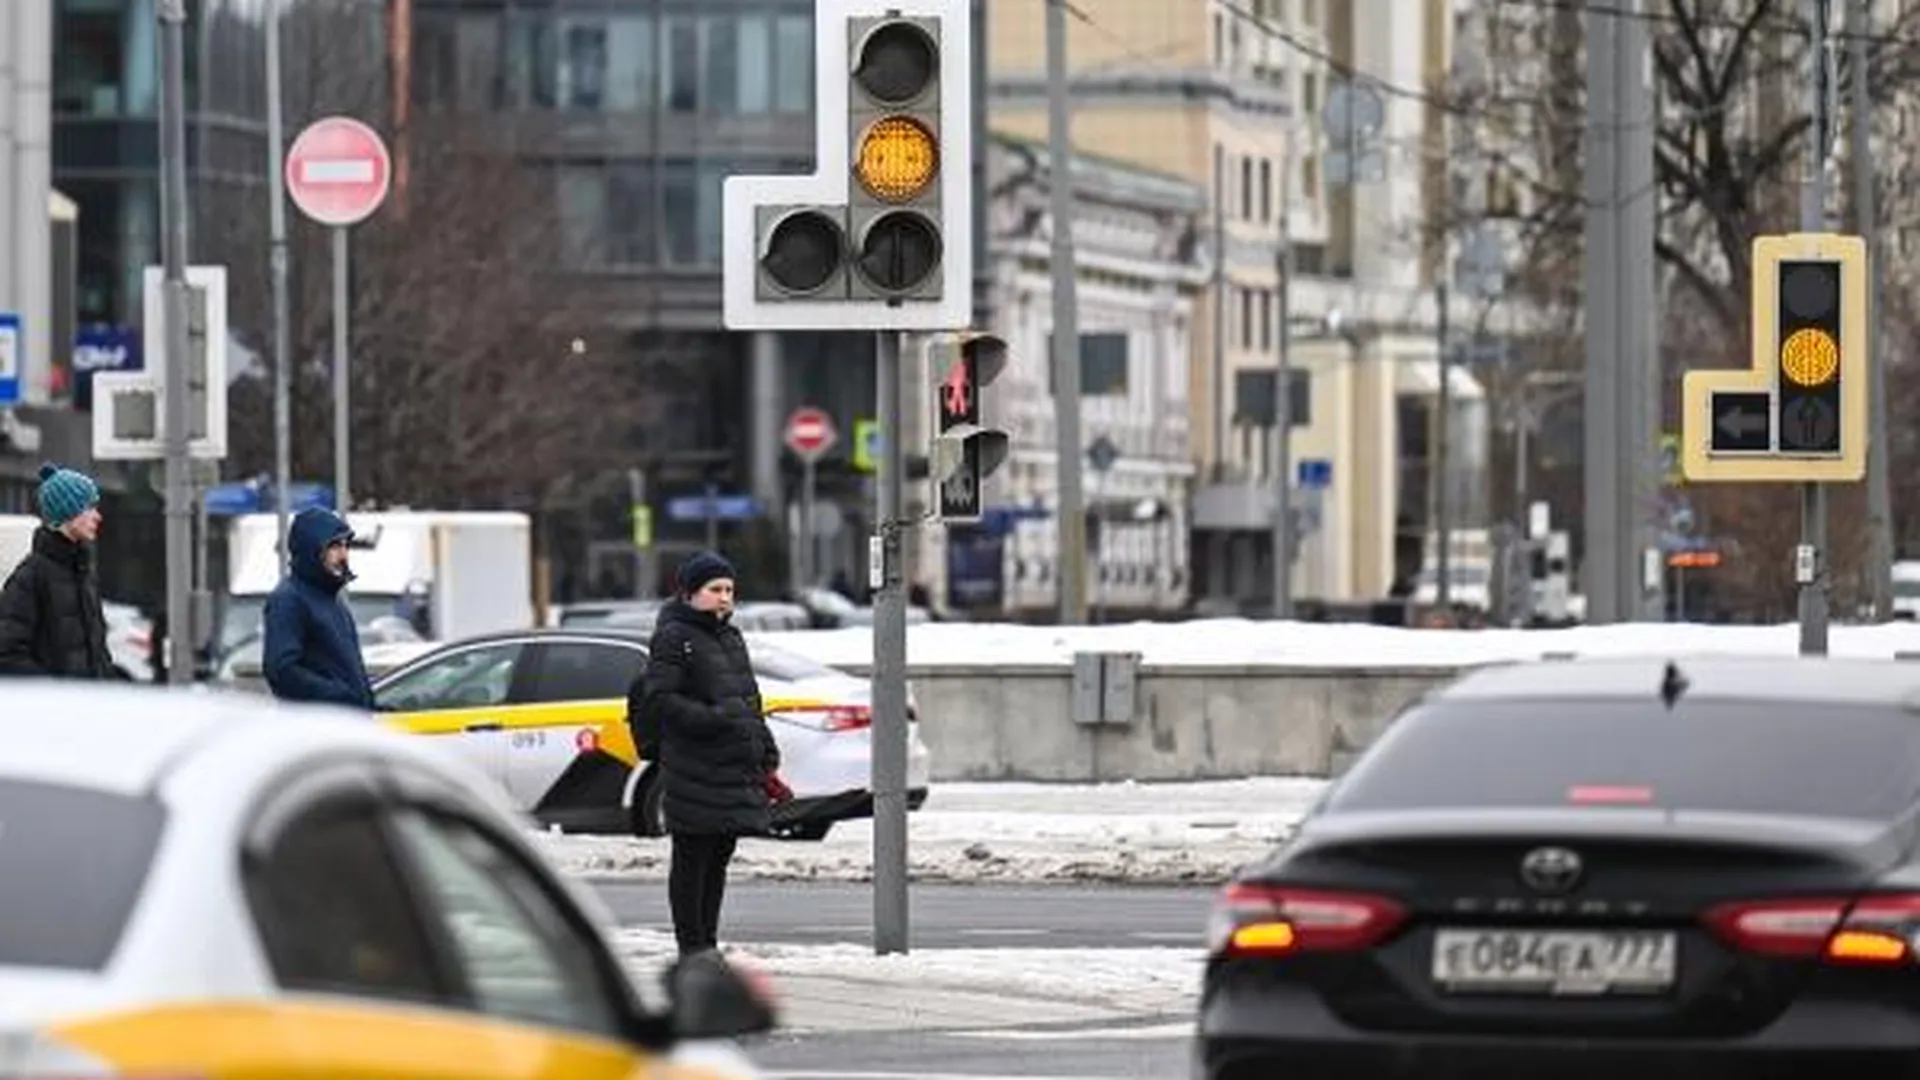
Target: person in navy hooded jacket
{"type": "Point", "coordinates": [312, 649]}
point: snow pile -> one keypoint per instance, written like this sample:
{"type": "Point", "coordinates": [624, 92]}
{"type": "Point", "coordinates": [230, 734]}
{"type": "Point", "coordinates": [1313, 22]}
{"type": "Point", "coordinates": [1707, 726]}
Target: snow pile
{"type": "Point", "coordinates": [1140, 981]}
{"type": "Point", "coordinates": [1223, 642]}
{"type": "Point", "coordinates": [977, 832]}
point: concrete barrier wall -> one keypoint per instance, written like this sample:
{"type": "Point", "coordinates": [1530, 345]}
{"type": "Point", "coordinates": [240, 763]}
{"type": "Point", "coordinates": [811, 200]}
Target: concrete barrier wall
{"type": "Point", "coordinates": [1190, 723]}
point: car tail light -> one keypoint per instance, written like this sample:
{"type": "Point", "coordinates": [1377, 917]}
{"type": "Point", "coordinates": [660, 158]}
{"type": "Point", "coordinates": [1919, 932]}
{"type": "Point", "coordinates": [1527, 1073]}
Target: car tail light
{"type": "Point", "coordinates": [1878, 929]}
{"type": "Point", "coordinates": [1273, 920]}
{"type": "Point", "coordinates": [828, 717]}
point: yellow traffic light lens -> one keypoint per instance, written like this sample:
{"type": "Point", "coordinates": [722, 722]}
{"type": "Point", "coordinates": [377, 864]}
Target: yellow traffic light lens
{"type": "Point", "coordinates": [898, 159]}
{"type": "Point", "coordinates": [1810, 357]}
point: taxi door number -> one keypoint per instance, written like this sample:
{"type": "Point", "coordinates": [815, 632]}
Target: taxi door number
{"type": "Point", "coordinates": [527, 740]}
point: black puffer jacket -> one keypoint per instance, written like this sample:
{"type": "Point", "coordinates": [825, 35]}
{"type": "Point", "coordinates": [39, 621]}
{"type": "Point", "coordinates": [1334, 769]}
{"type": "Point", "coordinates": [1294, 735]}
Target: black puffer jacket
{"type": "Point", "coordinates": [50, 619]}
{"type": "Point", "coordinates": [715, 751]}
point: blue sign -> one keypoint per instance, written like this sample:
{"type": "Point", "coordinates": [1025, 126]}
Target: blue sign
{"type": "Point", "coordinates": [718, 507]}
{"type": "Point", "coordinates": [1314, 473]}
{"type": "Point", "coordinates": [255, 497]}
{"type": "Point", "coordinates": [13, 357]}
{"type": "Point", "coordinates": [102, 348]}
{"type": "Point", "coordinates": [976, 570]}
{"type": "Point", "coordinates": [1001, 520]}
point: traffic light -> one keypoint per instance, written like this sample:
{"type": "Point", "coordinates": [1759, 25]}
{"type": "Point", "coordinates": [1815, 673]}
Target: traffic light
{"type": "Point", "coordinates": [1807, 357]}
{"type": "Point", "coordinates": [965, 450]}
{"type": "Point", "coordinates": [879, 236]}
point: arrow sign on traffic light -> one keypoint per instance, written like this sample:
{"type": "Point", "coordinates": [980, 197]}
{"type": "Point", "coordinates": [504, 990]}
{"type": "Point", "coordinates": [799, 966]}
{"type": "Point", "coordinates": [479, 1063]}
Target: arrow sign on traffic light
{"type": "Point", "coordinates": [1740, 422]}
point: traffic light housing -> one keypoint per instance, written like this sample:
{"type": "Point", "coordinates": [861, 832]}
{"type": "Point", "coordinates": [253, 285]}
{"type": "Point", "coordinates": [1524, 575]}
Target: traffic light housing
{"type": "Point", "coordinates": [1799, 412]}
{"type": "Point", "coordinates": [879, 236]}
{"type": "Point", "coordinates": [1807, 357]}
{"type": "Point", "coordinates": [965, 450]}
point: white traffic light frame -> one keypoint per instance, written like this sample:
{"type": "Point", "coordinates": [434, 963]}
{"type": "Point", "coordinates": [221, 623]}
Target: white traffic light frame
{"type": "Point", "coordinates": [831, 182]}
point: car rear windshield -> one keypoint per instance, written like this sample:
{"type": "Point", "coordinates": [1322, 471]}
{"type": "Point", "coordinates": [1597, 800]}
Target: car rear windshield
{"type": "Point", "coordinates": [1820, 760]}
{"type": "Point", "coordinates": [73, 862]}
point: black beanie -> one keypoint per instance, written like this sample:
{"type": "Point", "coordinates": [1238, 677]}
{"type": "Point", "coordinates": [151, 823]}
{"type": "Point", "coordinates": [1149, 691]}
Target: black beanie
{"type": "Point", "coordinates": [700, 568]}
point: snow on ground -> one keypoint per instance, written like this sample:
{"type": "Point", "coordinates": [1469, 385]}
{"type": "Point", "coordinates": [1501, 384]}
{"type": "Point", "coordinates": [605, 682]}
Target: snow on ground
{"type": "Point", "coordinates": [978, 832]}
{"type": "Point", "coordinates": [1141, 981]}
{"type": "Point", "coordinates": [1223, 642]}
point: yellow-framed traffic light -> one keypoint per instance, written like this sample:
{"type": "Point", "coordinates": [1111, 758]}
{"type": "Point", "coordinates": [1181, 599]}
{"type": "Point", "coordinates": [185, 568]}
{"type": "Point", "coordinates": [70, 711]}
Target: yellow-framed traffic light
{"type": "Point", "coordinates": [1799, 412]}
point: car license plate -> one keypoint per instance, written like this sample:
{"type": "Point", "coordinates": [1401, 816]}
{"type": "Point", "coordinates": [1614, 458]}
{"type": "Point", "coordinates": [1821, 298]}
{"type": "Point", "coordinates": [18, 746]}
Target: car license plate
{"type": "Point", "coordinates": [1554, 961]}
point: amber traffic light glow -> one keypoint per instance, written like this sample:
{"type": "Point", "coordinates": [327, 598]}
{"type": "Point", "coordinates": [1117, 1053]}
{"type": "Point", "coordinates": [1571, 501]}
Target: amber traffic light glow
{"type": "Point", "coordinates": [1810, 357]}
{"type": "Point", "coordinates": [899, 158]}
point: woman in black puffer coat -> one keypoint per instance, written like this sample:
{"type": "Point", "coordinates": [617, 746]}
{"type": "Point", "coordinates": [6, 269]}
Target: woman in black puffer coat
{"type": "Point", "coordinates": [717, 756]}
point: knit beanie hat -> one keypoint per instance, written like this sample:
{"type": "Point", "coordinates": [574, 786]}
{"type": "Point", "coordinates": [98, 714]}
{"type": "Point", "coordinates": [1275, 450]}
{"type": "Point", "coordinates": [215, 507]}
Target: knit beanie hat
{"type": "Point", "coordinates": [65, 494]}
{"type": "Point", "coordinates": [700, 568]}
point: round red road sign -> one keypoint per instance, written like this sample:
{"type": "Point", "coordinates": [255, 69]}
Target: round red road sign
{"type": "Point", "coordinates": [338, 171]}
{"type": "Point", "coordinates": [810, 432]}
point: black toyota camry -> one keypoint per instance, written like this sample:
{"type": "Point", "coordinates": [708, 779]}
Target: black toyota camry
{"type": "Point", "coordinates": [1697, 868]}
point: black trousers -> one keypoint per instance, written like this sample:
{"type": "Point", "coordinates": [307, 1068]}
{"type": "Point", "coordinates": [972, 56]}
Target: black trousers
{"type": "Point", "coordinates": [696, 883]}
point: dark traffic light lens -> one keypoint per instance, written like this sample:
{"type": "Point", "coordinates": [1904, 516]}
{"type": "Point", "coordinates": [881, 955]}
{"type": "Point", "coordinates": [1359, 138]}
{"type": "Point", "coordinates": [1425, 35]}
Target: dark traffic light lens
{"type": "Point", "coordinates": [897, 62]}
{"type": "Point", "coordinates": [803, 251]}
{"type": "Point", "coordinates": [899, 251]}
{"type": "Point", "coordinates": [1809, 290]}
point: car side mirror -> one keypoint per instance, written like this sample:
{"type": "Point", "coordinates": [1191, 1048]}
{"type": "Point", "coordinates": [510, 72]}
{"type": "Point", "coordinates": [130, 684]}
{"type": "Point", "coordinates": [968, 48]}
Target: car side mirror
{"type": "Point", "coordinates": [711, 999]}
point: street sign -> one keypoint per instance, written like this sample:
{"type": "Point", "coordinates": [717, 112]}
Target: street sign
{"type": "Point", "coordinates": [12, 344]}
{"type": "Point", "coordinates": [810, 433]}
{"type": "Point", "coordinates": [1798, 412]}
{"type": "Point", "coordinates": [1481, 268]}
{"type": "Point", "coordinates": [1740, 424]}
{"type": "Point", "coordinates": [338, 171]}
{"type": "Point", "coordinates": [718, 507]}
{"type": "Point", "coordinates": [1352, 110]}
{"type": "Point", "coordinates": [1314, 474]}
{"type": "Point", "coordinates": [129, 406]}
{"type": "Point", "coordinates": [1102, 454]}
{"type": "Point", "coordinates": [866, 444]}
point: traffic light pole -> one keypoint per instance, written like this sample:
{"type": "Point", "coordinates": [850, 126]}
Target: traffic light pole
{"type": "Point", "coordinates": [176, 397]}
{"type": "Point", "coordinates": [884, 575]}
{"type": "Point", "coordinates": [1809, 563]}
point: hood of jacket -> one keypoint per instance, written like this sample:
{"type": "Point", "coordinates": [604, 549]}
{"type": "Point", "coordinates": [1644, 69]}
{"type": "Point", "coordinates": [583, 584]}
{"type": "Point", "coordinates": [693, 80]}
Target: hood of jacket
{"type": "Point", "coordinates": [307, 538]}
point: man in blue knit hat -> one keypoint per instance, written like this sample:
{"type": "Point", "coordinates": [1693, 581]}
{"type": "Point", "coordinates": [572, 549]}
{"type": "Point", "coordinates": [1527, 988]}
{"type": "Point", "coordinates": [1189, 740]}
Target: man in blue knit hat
{"type": "Point", "coordinates": [51, 624]}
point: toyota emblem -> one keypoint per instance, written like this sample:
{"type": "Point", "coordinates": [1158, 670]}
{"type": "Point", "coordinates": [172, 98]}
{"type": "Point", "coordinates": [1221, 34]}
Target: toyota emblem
{"type": "Point", "coordinates": [1550, 869]}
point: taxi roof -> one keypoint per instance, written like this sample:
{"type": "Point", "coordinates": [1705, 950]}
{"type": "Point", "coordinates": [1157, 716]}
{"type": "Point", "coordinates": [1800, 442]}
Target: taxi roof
{"type": "Point", "coordinates": [123, 737]}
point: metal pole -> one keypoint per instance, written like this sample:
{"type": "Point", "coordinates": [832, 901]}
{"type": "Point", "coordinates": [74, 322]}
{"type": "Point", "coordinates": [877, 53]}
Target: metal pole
{"type": "Point", "coordinates": [1635, 202]}
{"type": "Point", "coordinates": [808, 491]}
{"type": "Point", "coordinates": [1867, 225]}
{"type": "Point", "coordinates": [1442, 428]}
{"type": "Point", "coordinates": [282, 302]}
{"type": "Point", "coordinates": [1070, 513]}
{"type": "Point", "coordinates": [889, 763]}
{"type": "Point", "coordinates": [173, 209]}
{"type": "Point", "coordinates": [983, 313]}
{"type": "Point", "coordinates": [1600, 516]}
{"type": "Point", "coordinates": [10, 16]}
{"type": "Point", "coordinates": [1813, 213]}
{"type": "Point", "coordinates": [1283, 553]}
{"type": "Point", "coordinates": [342, 389]}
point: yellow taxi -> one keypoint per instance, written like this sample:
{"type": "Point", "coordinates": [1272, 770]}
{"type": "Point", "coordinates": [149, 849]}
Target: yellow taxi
{"type": "Point", "coordinates": [244, 890]}
{"type": "Point", "coordinates": [544, 713]}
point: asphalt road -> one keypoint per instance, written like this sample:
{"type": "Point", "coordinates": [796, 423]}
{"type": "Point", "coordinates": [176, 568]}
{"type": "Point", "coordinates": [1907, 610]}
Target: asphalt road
{"type": "Point", "coordinates": [942, 916]}
{"type": "Point", "coordinates": [1110, 1052]}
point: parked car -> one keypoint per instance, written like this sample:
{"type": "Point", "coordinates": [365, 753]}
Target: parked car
{"type": "Point", "coordinates": [544, 712]}
{"type": "Point", "coordinates": [129, 641]}
{"type": "Point", "coordinates": [245, 889]}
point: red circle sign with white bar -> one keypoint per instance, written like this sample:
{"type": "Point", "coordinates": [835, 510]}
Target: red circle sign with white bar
{"type": "Point", "coordinates": [338, 171]}
{"type": "Point", "coordinates": [810, 432]}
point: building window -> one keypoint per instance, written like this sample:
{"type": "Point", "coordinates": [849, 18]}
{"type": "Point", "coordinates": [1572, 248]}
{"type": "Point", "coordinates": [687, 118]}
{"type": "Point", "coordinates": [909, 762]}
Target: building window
{"type": "Point", "coordinates": [1266, 189]}
{"type": "Point", "coordinates": [1246, 189]}
{"type": "Point", "coordinates": [1253, 397]}
{"type": "Point", "coordinates": [793, 64]}
{"type": "Point", "coordinates": [1219, 40]}
{"type": "Point", "coordinates": [1104, 360]}
{"type": "Point", "coordinates": [90, 65]}
{"type": "Point", "coordinates": [681, 75]}
{"type": "Point", "coordinates": [1266, 319]}
{"type": "Point", "coordinates": [1219, 175]}
{"type": "Point", "coordinates": [1246, 318]}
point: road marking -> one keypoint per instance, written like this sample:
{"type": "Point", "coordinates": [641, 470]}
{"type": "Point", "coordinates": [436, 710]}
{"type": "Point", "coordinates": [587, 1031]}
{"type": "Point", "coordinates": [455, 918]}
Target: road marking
{"type": "Point", "coordinates": [992, 931]}
{"type": "Point", "coordinates": [1179, 1030]}
{"type": "Point", "coordinates": [1185, 937]}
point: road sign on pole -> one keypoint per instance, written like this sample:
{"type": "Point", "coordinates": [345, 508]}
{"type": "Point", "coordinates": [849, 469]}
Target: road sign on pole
{"type": "Point", "coordinates": [810, 433]}
{"type": "Point", "coordinates": [12, 343]}
{"type": "Point", "coordinates": [1798, 414]}
{"type": "Point", "coordinates": [338, 172]}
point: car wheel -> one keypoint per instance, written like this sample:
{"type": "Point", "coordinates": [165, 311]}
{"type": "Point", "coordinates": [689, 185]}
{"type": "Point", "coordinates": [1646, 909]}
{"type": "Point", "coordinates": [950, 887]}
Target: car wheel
{"type": "Point", "coordinates": [649, 813]}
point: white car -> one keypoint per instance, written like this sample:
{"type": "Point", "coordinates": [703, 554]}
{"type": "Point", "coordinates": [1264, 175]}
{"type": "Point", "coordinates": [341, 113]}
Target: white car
{"type": "Point", "coordinates": [545, 712]}
{"type": "Point", "coordinates": [213, 885]}
{"type": "Point", "coordinates": [129, 641]}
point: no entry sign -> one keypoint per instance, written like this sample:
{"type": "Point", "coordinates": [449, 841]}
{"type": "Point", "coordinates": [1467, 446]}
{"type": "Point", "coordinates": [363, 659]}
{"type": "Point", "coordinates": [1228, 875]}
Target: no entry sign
{"type": "Point", "coordinates": [810, 433]}
{"type": "Point", "coordinates": [338, 171]}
